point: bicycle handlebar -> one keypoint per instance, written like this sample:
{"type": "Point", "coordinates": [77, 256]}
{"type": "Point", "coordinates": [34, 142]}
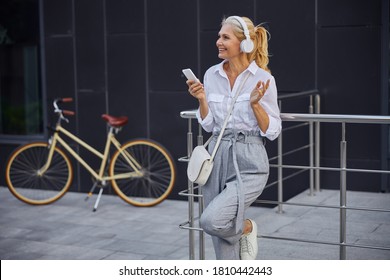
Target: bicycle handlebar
{"type": "Point", "coordinates": [60, 111]}
{"type": "Point", "coordinates": [66, 99]}
{"type": "Point", "coordinates": [68, 113]}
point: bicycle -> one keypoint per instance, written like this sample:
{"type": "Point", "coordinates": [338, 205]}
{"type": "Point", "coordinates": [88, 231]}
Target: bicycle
{"type": "Point", "coordinates": [141, 171]}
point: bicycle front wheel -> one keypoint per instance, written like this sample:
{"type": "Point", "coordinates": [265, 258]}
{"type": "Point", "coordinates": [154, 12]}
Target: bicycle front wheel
{"type": "Point", "coordinates": [28, 184]}
{"type": "Point", "coordinates": [151, 170]}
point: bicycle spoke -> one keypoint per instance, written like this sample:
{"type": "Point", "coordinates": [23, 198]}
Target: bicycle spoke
{"type": "Point", "coordinates": [27, 184]}
{"type": "Point", "coordinates": [157, 171]}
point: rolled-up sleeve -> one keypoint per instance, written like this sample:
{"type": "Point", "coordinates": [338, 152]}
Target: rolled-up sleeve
{"type": "Point", "coordinates": [274, 128]}
{"type": "Point", "coordinates": [270, 105]}
{"type": "Point", "coordinates": [208, 122]}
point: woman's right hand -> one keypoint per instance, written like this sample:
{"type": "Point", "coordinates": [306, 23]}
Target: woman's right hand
{"type": "Point", "coordinates": [196, 89]}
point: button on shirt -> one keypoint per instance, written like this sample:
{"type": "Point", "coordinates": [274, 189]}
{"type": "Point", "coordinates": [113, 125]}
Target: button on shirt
{"type": "Point", "coordinates": [220, 95]}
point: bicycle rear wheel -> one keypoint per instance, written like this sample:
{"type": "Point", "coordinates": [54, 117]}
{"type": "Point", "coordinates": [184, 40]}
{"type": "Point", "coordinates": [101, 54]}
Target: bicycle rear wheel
{"type": "Point", "coordinates": [157, 172]}
{"type": "Point", "coordinates": [27, 185]}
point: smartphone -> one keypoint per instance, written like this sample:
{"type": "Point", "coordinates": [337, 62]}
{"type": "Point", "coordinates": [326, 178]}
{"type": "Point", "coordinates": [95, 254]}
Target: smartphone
{"type": "Point", "coordinates": [190, 75]}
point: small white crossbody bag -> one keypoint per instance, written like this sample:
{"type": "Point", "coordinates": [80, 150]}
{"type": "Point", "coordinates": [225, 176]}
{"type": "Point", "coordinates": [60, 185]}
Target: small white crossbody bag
{"type": "Point", "coordinates": [201, 162]}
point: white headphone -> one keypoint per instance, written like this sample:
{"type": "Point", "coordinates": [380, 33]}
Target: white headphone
{"type": "Point", "coordinates": [246, 44]}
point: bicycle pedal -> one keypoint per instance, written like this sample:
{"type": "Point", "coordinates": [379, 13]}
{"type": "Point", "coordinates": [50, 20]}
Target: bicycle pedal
{"type": "Point", "coordinates": [88, 196]}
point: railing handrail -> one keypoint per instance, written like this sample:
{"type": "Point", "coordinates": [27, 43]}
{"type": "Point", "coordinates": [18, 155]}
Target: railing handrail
{"type": "Point", "coordinates": [188, 114]}
{"type": "Point", "coordinates": [337, 118]}
{"type": "Point", "coordinates": [297, 94]}
{"type": "Point", "coordinates": [374, 119]}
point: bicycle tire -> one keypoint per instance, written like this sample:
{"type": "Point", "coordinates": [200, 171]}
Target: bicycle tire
{"type": "Point", "coordinates": [27, 185]}
{"type": "Point", "coordinates": [157, 167]}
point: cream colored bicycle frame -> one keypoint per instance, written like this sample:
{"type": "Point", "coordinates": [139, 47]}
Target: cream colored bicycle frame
{"type": "Point", "coordinates": [98, 176]}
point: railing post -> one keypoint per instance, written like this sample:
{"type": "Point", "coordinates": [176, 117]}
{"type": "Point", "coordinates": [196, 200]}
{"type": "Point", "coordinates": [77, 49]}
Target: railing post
{"type": "Point", "coordinates": [317, 144]}
{"type": "Point", "coordinates": [201, 203]}
{"type": "Point", "coordinates": [280, 168]}
{"type": "Point", "coordinates": [191, 235]}
{"type": "Point", "coordinates": [311, 145]}
{"type": "Point", "coordinates": [343, 193]}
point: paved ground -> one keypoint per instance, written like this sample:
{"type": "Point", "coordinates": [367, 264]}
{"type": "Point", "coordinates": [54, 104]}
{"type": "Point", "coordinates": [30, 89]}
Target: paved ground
{"type": "Point", "coordinates": [68, 229]}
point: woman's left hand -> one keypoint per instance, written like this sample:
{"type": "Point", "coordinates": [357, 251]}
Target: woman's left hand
{"type": "Point", "coordinates": [258, 92]}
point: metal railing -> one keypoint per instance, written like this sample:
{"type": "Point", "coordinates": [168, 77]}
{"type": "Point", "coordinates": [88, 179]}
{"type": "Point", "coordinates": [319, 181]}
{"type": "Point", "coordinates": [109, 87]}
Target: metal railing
{"type": "Point", "coordinates": [194, 193]}
{"type": "Point", "coordinates": [313, 120]}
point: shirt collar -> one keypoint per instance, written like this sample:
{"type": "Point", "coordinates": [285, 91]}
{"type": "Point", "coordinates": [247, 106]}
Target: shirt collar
{"type": "Point", "coordinates": [252, 68]}
{"type": "Point", "coordinates": [219, 68]}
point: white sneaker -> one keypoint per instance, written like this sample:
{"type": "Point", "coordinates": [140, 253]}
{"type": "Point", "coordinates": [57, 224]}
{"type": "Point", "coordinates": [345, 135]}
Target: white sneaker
{"type": "Point", "coordinates": [248, 244]}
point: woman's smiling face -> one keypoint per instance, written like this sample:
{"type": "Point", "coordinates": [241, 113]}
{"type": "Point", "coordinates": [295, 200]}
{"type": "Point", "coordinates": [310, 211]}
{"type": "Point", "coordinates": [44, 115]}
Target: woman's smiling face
{"type": "Point", "coordinates": [228, 44]}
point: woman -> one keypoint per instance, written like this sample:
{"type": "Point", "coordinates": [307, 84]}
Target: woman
{"type": "Point", "coordinates": [241, 164]}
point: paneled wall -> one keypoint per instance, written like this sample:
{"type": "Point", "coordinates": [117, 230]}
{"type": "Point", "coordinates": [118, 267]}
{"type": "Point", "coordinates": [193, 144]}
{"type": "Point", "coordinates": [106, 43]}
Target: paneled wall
{"type": "Point", "coordinates": [349, 78]}
{"type": "Point", "coordinates": [125, 58]}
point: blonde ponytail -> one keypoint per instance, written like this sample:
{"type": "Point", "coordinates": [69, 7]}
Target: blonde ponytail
{"type": "Point", "coordinates": [260, 51]}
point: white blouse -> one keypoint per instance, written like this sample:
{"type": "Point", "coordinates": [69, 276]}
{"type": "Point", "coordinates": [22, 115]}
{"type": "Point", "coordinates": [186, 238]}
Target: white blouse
{"type": "Point", "coordinates": [220, 96]}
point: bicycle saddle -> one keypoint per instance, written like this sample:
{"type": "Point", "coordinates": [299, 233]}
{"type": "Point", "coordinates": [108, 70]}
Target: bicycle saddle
{"type": "Point", "coordinates": [115, 121]}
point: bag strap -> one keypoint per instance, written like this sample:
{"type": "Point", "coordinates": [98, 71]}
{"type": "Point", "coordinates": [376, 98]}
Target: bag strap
{"type": "Point", "coordinates": [226, 119]}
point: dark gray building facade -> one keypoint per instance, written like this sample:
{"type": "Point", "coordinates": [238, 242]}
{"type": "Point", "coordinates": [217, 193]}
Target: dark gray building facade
{"type": "Point", "coordinates": [124, 57]}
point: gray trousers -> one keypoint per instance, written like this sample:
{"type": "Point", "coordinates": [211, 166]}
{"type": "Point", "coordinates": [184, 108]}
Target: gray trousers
{"type": "Point", "coordinates": [239, 175]}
